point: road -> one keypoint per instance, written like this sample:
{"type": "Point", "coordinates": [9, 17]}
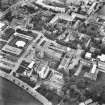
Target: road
{"type": "Point", "coordinates": [11, 94]}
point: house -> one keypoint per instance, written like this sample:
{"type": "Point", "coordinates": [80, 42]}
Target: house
{"type": "Point", "coordinates": [3, 25]}
{"type": "Point", "coordinates": [93, 68]}
{"type": "Point", "coordinates": [65, 62]}
{"type": "Point", "coordinates": [92, 74]}
{"type": "Point", "coordinates": [101, 66]}
{"type": "Point", "coordinates": [88, 55]}
{"type": "Point", "coordinates": [54, 53]}
{"type": "Point", "coordinates": [101, 57]}
{"type": "Point", "coordinates": [43, 70]}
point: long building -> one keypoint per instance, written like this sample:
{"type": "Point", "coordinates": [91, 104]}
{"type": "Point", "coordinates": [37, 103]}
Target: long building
{"type": "Point", "coordinates": [58, 9]}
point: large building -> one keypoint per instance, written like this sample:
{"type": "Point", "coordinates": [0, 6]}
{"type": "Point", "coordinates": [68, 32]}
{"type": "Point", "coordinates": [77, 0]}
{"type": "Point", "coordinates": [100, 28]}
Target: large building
{"type": "Point", "coordinates": [43, 70]}
{"type": "Point", "coordinates": [17, 45]}
{"type": "Point", "coordinates": [65, 62]}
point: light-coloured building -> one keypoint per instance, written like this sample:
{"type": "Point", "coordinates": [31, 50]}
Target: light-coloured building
{"type": "Point", "coordinates": [59, 9]}
{"type": "Point", "coordinates": [13, 50]}
{"type": "Point", "coordinates": [101, 65]}
{"type": "Point", "coordinates": [101, 57]}
{"type": "Point", "coordinates": [43, 70]}
{"type": "Point", "coordinates": [54, 53]}
{"type": "Point", "coordinates": [87, 102]}
{"type": "Point", "coordinates": [1, 25]}
{"type": "Point", "coordinates": [88, 55]}
{"type": "Point", "coordinates": [67, 17]}
{"type": "Point", "coordinates": [61, 16]}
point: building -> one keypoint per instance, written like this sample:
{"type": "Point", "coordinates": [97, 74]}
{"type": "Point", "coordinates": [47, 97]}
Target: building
{"type": "Point", "coordinates": [93, 69]}
{"type": "Point", "coordinates": [101, 65]}
{"type": "Point", "coordinates": [92, 8]}
{"type": "Point", "coordinates": [94, 103]}
{"type": "Point", "coordinates": [2, 24]}
{"type": "Point", "coordinates": [67, 17]}
{"type": "Point", "coordinates": [76, 59]}
{"type": "Point", "coordinates": [43, 70]}
{"type": "Point", "coordinates": [20, 43]}
{"type": "Point", "coordinates": [17, 44]}
{"type": "Point", "coordinates": [6, 66]}
{"type": "Point", "coordinates": [58, 47]}
{"type": "Point", "coordinates": [79, 69]}
{"type": "Point", "coordinates": [54, 53]}
{"type": "Point", "coordinates": [55, 81]}
{"type": "Point", "coordinates": [61, 16]}
{"type": "Point", "coordinates": [101, 57]}
{"type": "Point", "coordinates": [88, 55]}
{"type": "Point", "coordinates": [65, 62]}
{"type": "Point", "coordinates": [86, 62]}
{"type": "Point", "coordinates": [1, 14]}
{"type": "Point", "coordinates": [95, 65]}
{"type": "Point", "coordinates": [101, 62]}
{"type": "Point", "coordinates": [92, 74]}
{"type": "Point", "coordinates": [57, 9]}
{"type": "Point", "coordinates": [56, 1]}
{"type": "Point", "coordinates": [87, 102]}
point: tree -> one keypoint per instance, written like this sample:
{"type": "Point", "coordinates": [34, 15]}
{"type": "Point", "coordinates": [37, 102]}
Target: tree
{"type": "Point", "coordinates": [5, 4]}
{"type": "Point", "coordinates": [81, 84]}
